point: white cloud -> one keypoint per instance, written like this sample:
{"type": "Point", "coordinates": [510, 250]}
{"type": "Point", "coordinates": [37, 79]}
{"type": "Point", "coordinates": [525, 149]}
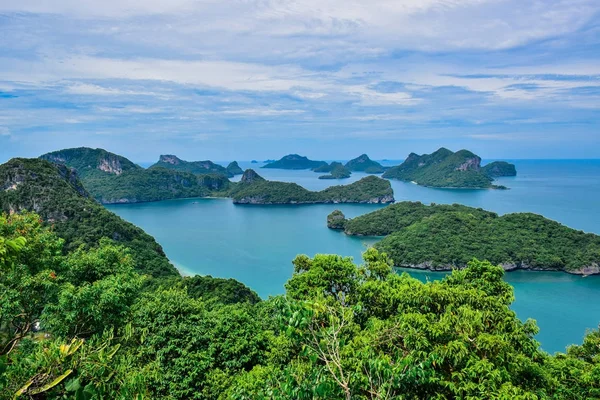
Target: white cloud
{"type": "Point", "coordinates": [4, 131]}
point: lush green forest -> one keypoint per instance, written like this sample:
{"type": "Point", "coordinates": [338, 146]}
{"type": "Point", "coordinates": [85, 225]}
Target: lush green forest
{"type": "Point", "coordinates": [86, 325]}
{"type": "Point", "coordinates": [447, 169]}
{"type": "Point", "coordinates": [253, 189]}
{"type": "Point", "coordinates": [294, 161]}
{"type": "Point", "coordinates": [169, 161]}
{"type": "Point", "coordinates": [449, 236]}
{"type": "Point", "coordinates": [55, 193]}
{"type": "Point", "coordinates": [363, 163]}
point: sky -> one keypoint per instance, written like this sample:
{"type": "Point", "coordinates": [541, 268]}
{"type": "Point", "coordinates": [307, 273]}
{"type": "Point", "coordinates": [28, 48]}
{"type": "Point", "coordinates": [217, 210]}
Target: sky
{"type": "Point", "coordinates": [329, 79]}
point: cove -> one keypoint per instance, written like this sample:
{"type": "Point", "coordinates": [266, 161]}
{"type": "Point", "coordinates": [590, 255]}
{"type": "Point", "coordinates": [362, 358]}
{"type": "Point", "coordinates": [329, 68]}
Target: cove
{"type": "Point", "coordinates": [256, 244]}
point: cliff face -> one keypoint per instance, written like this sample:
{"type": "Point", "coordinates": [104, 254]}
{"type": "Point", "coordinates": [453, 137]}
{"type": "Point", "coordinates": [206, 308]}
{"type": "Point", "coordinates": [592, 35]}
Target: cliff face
{"type": "Point", "coordinates": [91, 161]}
{"type": "Point", "coordinates": [169, 159]}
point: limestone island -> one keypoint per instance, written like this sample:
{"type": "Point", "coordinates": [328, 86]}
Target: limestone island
{"type": "Point", "coordinates": [336, 171]}
{"type": "Point", "coordinates": [364, 164]}
{"type": "Point", "coordinates": [170, 161]}
{"type": "Point", "coordinates": [294, 161]}
{"type": "Point", "coordinates": [447, 237]}
{"type": "Point", "coordinates": [446, 169]}
{"type": "Point", "coordinates": [253, 189]}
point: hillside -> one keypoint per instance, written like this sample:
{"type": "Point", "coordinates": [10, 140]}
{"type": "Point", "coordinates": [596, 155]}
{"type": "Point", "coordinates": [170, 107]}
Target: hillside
{"type": "Point", "coordinates": [56, 194]}
{"type": "Point", "coordinates": [445, 169]}
{"type": "Point", "coordinates": [169, 161]}
{"type": "Point", "coordinates": [338, 171]}
{"type": "Point", "coordinates": [497, 169]}
{"type": "Point", "coordinates": [294, 161]}
{"type": "Point", "coordinates": [443, 237]}
{"type": "Point", "coordinates": [111, 179]}
{"type": "Point", "coordinates": [92, 162]}
{"type": "Point", "coordinates": [253, 189]}
{"type": "Point", "coordinates": [363, 163]}
{"type": "Point", "coordinates": [234, 169]}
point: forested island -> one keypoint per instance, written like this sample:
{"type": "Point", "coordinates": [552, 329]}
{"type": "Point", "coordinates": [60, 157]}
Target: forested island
{"type": "Point", "coordinates": [446, 169]}
{"type": "Point", "coordinates": [253, 189]}
{"type": "Point", "coordinates": [336, 171]}
{"type": "Point", "coordinates": [363, 163]}
{"type": "Point", "coordinates": [446, 237]}
{"type": "Point", "coordinates": [294, 161]}
{"type": "Point", "coordinates": [91, 308]}
{"type": "Point", "coordinates": [170, 161]}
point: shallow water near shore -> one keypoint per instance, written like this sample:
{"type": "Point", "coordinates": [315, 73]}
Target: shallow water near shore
{"type": "Point", "coordinates": [256, 244]}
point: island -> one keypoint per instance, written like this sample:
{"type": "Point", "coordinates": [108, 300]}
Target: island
{"type": "Point", "coordinates": [336, 171]}
{"type": "Point", "coordinates": [498, 169]}
{"type": "Point", "coordinates": [294, 161]}
{"type": "Point", "coordinates": [446, 169]}
{"type": "Point", "coordinates": [170, 161]}
{"type": "Point", "coordinates": [234, 169]}
{"type": "Point", "coordinates": [253, 189]}
{"type": "Point", "coordinates": [113, 179]}
{"type": "Point", "coordinates": [446, 237]}
{"type": "Point", "coordinates": [363, 163]}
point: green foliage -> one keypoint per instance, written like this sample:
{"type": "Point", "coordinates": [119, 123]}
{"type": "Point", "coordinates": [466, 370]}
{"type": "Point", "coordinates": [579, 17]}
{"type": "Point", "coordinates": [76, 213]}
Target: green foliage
{"type": "Point", "coordinates": [369, 189]}
{"type": "Point", "coordinates": [234, 169]}
{"type": "Point", "coordinates": [91, 162]}
{"type": "Point", "coordinates": [398, 216]}
{"type": "Point", "coordinates": [445, 169]}
{"type": "Point", "coordinates": [30, 257]}
{"type": "Point", "coordinates": [363, 163]}
{"type": "Point", "coordinates": [222, 291]}
{"type": "Point", "coordinates": [193, 167]}
{"type": "Point", "coordinates": [294, 161]}
{"type": "Point", "coordinates": [337, 172]}
{"type": "Point", "coordinates": [499, 168]}
{"type": "Point", "coordinates": [336, 220]}
{"type": "Point", "coordinates": [54, 194]}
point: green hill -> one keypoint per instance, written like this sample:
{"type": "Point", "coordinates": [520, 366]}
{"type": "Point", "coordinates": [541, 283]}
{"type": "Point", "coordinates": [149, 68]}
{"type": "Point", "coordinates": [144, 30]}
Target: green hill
{"type": "Point", "coordinates": [55, 193]}
{"type": "Point", "coordinates": [110, 178]}
{"type": "Point", "coordinates": [443, 237]}
{"type": "Point", "coordinates": [294, 161]}
{"type": "Point", "coordinates": [444, 169]}
{"type": "Point", "coordinates": [254, 189]}
{"type": "Point", "coordinates": [169, 161]}
{"type": "Point", "coordinates": [338, 171]}
{"type": "Point", "coordinates": [497, 169]}
{"type": "Point", "coordinates": [234, 169]}
{"type": "Point", "coordinates": [363, 163]}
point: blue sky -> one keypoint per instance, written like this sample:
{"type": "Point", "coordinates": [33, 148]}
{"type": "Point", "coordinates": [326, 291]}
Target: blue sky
{"type": "Point", "coordinates": [257, 79]}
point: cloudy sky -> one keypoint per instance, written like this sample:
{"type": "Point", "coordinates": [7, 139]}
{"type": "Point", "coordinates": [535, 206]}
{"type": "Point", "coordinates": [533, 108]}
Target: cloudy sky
{"type": "Point", "coordinates": [245, 79]}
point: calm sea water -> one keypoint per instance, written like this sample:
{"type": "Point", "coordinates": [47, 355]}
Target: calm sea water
{"type": "Point", "coordinates": [256, 244]}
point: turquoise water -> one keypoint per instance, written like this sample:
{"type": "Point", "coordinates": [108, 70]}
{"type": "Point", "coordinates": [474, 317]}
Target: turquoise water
{"type": "Point", "coordinates": [256, 244]}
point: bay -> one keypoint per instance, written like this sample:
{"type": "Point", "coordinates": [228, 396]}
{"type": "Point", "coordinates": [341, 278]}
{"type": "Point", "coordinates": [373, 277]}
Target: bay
{"type": "Point", "coordinates": [256, 244]}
